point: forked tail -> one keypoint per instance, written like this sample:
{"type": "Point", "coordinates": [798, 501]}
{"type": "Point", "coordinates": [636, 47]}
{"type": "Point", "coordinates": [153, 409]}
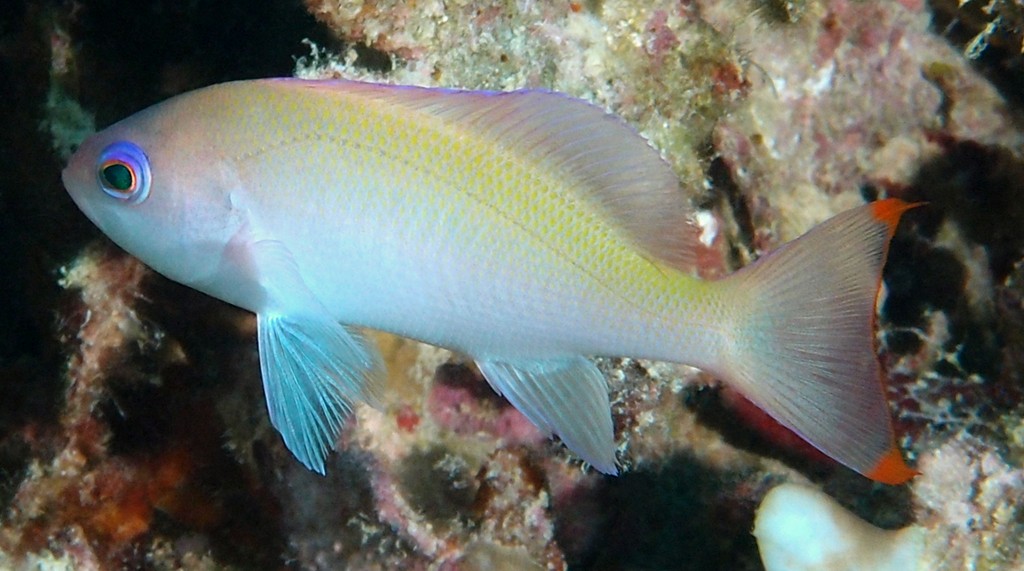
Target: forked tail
{"type": "Point", "coordinates": [803, 339]}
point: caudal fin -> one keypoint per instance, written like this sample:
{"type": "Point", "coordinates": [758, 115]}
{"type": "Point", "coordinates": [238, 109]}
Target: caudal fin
{"type": "Point", "coordinates": [804, 339]}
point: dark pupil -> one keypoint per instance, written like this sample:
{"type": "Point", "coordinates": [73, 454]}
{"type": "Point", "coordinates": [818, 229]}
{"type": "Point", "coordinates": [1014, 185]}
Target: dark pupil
{"type": "Point", "coordinates": [118, 176]}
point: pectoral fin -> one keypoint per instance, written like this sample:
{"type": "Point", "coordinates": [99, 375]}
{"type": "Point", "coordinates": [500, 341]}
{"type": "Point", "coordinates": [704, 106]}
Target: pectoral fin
{"type": "Point", "coordinates": [567, 397]}
{"type": "Point", "coordinates": [314, 372]}
{"type": "Point", "coordinates": [314, 369]}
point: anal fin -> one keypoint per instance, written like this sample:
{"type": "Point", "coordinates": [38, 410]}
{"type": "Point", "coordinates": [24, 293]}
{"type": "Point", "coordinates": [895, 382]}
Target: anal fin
{"type": "Point", "coordinates": [566, 396]}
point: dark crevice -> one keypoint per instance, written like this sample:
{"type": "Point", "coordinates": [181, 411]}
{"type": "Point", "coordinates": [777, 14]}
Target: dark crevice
{"type": "Point", "coordinates": [721, 180]}
{"type": "Point", "coordinates": [1001, 61]}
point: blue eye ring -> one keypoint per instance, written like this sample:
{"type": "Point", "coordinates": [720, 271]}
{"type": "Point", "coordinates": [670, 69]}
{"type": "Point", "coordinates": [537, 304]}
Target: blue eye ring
{"type": "Point", "coordinates": [123, 172]}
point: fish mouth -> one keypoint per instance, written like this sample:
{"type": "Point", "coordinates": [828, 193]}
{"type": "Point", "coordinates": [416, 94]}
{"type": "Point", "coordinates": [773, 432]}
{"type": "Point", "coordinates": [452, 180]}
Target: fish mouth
{"type": "Point", "coordinates": [65, 177]}
{"type": "Point", "coordinates": [77, 191]}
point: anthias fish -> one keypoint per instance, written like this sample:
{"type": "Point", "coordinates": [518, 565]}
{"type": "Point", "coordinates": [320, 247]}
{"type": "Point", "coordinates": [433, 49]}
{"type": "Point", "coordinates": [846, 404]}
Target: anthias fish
{"type": "Point", "coordinates": [527, 229]}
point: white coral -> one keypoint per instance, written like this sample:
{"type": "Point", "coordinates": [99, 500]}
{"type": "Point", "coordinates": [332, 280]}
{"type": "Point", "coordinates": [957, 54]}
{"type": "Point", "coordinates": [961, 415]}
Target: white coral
{"type": "Point", "coordinates": [801, 529]}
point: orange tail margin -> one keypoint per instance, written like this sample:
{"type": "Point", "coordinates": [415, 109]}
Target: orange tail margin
{"type": "Point", "coordinates": [891, 468]}
{"type": "Point", "coordinates": [890, 210]}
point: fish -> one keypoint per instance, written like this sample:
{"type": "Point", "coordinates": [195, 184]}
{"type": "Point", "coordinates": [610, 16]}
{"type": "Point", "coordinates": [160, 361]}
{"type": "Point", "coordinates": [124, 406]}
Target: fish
{"type": "Point", "coordinates": [528, 230]}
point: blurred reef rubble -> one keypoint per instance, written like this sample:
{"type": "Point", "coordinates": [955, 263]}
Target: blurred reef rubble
{"type": "Point", "coordinates": [133, 432]}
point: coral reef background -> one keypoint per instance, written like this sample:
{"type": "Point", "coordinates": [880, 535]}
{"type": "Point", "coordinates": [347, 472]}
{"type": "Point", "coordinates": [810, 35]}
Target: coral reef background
{"type": "Point", "coordinates": [132, 427]}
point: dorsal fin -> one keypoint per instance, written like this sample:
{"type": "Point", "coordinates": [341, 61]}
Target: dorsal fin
{"type": "Point", "coordinates": [601, 157]}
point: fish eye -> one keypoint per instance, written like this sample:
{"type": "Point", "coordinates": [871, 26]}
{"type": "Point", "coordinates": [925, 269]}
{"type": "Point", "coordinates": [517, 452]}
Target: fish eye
{"type": "Point", "coordinates": [123, 172]}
